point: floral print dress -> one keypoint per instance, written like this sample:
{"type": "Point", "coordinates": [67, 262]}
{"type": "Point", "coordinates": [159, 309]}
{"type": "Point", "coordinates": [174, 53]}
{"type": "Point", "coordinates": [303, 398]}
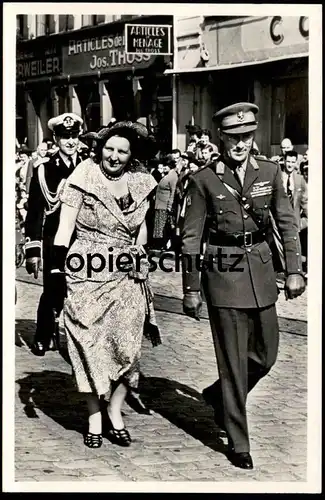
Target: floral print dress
{"type": "Point", "coordinates": [105, 309]}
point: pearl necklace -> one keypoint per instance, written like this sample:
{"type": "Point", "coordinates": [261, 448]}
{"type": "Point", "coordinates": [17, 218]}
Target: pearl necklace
{"type": "Point", "coordinates": [110, 177]}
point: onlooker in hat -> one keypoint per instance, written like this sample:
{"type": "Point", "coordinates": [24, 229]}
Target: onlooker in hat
{"type": "Point", "coordinates": [44, 200]}
{"type": "Point", "coordinates": [193, 132]}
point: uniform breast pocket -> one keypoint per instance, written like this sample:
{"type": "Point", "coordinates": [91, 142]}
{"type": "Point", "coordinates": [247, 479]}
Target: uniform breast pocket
{"type": "Point", "coordinates": [225, 214]}
{"type": "Point", "coordinates": [88, 212]}
{"type": "Point", "coordinates": [261, 209]}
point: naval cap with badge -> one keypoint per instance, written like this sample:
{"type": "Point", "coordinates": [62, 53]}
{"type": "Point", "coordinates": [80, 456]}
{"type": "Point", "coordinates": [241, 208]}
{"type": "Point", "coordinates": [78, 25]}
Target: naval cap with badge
{"type": "Point", "coordinates": [238, 118]}
{"type": "Point", "coordinates": [66, 125]}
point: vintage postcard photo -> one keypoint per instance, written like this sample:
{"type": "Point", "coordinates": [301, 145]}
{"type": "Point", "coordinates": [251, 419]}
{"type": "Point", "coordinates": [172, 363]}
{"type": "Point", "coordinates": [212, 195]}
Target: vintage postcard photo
{"type": "Point", "coordinates": [163, 247]}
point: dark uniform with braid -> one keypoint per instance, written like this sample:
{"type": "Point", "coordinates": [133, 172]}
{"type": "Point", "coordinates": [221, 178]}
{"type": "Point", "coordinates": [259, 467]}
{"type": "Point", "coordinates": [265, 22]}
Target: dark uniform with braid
{"type": "Point", "coordinates": [238, 278]}
{"type": "Point", "coordinates": [42, 222]}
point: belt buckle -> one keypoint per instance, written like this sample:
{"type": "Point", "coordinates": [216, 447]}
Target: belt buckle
{"type": "Point", "coordinates": [248, 239]}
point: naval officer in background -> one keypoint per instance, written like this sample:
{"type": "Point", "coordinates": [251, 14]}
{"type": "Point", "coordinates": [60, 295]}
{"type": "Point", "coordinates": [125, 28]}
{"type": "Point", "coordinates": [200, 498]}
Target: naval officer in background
{"type": "Point", "coordinates": [228, 205]}
{"type": "Point", "coordinates": [43, 216]}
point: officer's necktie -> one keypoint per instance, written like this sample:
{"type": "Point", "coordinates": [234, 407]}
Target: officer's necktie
{"type": "Point", "coordinates": [71, 164]}
{"type": "Point", "coordinates": [289, 190]}
{"type": "Point", "coordinates": [240, 171]}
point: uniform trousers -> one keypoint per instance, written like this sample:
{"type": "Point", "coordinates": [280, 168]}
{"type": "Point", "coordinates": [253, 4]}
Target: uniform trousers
{"type": "Point", "coordinates": [246, 345]}
{"type": "Point", "coordinates": [45, 316]}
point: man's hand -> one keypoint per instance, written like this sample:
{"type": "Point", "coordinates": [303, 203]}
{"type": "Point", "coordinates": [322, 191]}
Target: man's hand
{"type": "Point", "coordinates": [192, 304]}
{"type": "Point", "coordinates": [295, 285]}
{"type": "Point", "coordinates": [33, 265]}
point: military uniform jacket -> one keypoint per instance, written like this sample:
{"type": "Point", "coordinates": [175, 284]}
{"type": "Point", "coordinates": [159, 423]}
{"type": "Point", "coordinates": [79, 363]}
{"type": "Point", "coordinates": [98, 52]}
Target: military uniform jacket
{"type": "Point", "coordinates": [243, 277]}
{"type": "Point", "coordinates": [43, 202]}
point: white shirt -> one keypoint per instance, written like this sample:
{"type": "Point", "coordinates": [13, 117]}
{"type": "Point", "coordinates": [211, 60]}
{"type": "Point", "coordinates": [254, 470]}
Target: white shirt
{"type": "Point", "coordinates": [66, 158]}
{"type": "Point", "coordinates": [285, 176]}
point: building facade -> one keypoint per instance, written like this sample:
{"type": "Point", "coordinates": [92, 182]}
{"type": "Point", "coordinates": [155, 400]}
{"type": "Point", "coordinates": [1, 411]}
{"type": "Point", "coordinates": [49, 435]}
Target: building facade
{"type": "Point", "coordinates": [221, 60]}
{"type": "Point", "coordinates": [76, 63]}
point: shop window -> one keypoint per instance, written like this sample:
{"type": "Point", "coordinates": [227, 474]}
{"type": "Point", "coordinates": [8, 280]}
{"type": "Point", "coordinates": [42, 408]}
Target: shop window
{"type": "Point", "coordinates": [290, 111]}
{"type": "Point", "coordinates": [86, 20]}
{"type": "Point", "coordinates": [22, 28]}
{"type": "Point", "coordinates": [49, 25]}
{"type": "Point", "coordinates": [66, 22]}
{"type": "Point", "coordinates": [122, 98]}
{"type": "Point", "coordinates": [63, 99]}
{"type": "Point", "coordinates": [89, 98]}
{"type": "Point", "coordinates": [40, 25]}
{"type": "Point", "coordinates": [98, 20]}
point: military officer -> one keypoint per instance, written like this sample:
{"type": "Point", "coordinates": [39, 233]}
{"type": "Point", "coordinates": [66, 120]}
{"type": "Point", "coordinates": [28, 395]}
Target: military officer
{"type": "Point", "coordinates": [43, 214]}
{"type": "Point", "coordinates": [229, 204]}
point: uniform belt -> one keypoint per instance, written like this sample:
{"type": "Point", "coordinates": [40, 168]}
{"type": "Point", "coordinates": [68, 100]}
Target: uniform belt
{"type": "Point", "coordinates": [246, 239]}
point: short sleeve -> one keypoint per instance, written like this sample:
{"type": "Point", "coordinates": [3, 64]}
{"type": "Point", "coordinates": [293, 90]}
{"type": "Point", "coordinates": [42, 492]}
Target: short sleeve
{"type": "Point", "coordinates": [71, 195]}
{"type": "Point", "coordinates": [73, 191]}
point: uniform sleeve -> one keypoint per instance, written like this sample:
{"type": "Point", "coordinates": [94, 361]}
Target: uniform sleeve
{"type": "Point", "coordinates": [73, 191]}
{"type": "Point", "coordinates": [192, 231]}
{"type": "Point", "coordinates": [285, 219]}
{"type": "Point", "coordinates": [34, 218]}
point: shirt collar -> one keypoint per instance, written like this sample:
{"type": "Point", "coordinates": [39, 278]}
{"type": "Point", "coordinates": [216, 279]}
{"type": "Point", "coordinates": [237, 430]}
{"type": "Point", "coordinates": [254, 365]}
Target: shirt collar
{"type": "Point", "coordinates": [66, 158]}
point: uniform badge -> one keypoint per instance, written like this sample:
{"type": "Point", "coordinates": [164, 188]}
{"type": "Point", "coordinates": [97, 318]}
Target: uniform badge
{"type": "Point", "coordinates": [220, 196]}
{"type": "Point", "coordinates": [240, 116]}
{"type": "Point", "coordinates": [68, 121]}
{"type": "Point", "coordinates": [188, 201]}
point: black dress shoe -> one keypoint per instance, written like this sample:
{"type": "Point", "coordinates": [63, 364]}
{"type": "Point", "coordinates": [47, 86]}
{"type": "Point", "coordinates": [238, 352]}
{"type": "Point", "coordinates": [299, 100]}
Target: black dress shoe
{"type": "Point", "coordinates": [39, 348]}
{"type": "Point", "coordinates": [241, 460]}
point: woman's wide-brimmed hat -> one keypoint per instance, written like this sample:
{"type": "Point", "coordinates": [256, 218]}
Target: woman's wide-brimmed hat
{"type": "Point", "coordinates": [143, 145]}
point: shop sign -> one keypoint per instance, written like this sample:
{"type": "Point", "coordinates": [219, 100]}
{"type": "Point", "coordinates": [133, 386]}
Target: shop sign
{"type": "Point", "coordinates": [275, 31]}
{"type": "Point", "coordinates": [38, 63]}
{"type": "Point", "coordinates": [104, 53]}
{"type": "Point", "coordinates": [257, 39]}
{"type": "Point", "coordinates": [148, 39]}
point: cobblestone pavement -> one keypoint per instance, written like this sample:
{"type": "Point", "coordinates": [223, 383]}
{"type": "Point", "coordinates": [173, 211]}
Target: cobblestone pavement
{"type": "Point", "coordinates": [179, 441]}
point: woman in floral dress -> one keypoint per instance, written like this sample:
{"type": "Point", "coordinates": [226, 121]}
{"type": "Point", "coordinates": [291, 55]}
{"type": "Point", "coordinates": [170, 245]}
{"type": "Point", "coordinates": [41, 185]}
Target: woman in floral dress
{"type": "Point", "coordinates": [106, 201]}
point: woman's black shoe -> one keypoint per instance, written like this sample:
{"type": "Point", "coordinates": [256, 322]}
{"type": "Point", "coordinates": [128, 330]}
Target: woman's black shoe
{"type": "Point", "coordinates": [117, 436]}
{"type": "Point", "coordinates": [93, 440]}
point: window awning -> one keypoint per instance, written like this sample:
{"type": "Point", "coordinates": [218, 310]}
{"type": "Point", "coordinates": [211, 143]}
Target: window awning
{"type": "Point", "coordinates": [242, 64]}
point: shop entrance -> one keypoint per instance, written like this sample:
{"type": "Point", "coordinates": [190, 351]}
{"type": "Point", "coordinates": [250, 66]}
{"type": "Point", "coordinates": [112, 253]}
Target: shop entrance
{"type": "Point", "coordinates": [89, 98]}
